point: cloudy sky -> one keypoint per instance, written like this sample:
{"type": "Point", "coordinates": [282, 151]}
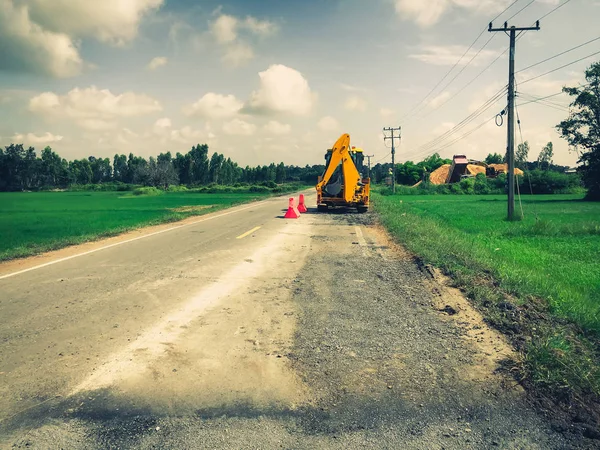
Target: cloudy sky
{"type": "Point", "coordinates": [280, 80]}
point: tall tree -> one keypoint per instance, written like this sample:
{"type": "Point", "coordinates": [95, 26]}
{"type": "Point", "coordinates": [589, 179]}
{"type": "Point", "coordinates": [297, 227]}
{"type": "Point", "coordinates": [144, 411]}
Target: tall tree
{"type": "Point", "coordinates": [280, 173]}
{"type": "Point", "coordinates": [545, 157]}
{"type": "Point", "coordinates": [493, 158]}
{"type": "Point", "coordinates": [521, 155]}
{"type": "Point", "coordinates": [582, 128]}
{"type": "Point", "coordinates": [120, 172]}
{"type": "Point", "coordinates": [214, 170]}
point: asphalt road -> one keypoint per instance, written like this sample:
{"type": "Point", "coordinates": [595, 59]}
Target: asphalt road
{"type": "Point", "coordinates": [246, 330]}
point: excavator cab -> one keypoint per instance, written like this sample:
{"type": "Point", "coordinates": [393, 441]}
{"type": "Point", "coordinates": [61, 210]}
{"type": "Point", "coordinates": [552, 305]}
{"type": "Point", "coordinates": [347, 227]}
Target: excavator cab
{"type": "Point", "coordinates": [342, 183]}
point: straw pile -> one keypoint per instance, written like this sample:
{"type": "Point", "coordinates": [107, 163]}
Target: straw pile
{"type": "Point", "coordinates": [503, 168]}
{"type": "Point", "coordinates": [440, 175]}
{"type": "Point", "coordinates": [474, 169]}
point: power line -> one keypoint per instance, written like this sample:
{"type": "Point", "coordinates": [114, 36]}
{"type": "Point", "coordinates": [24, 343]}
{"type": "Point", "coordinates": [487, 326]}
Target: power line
{"type": "Point", "coordinates": [470, 82]}
{"type": "Point", "coordinates": [558, 68]}
{"type": "Point", "coordinates": [484, 107]}
{"type": "Point", "coordinates": [558, 7]}
{"type": "Point", "coordinates": [385, 157]}
{"type": "Point", "coordinates": [519, 11]}
{"type": "Point", "coordinates": [558, 54]}
{"type": "Point", "coordinates": [466, 65]}
{"type": "Point", "coordinates": [459, 60]}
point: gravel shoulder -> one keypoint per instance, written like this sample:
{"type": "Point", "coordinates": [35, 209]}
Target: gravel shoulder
{"type": "Point", "coordinates": [345, 342]}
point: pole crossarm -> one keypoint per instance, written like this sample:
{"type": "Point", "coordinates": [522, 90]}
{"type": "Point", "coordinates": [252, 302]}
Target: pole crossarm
{"type": "Point", "coordinates": [507, 28]}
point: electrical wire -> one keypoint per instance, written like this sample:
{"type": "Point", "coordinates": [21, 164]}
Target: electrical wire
{"type": "Point", "coordinates": [519, 11]}
{"type": "Point", "coordinates": [458, 62]}
{"type": "Point", "coordinates": [556, 106]}
{"type": "Point", "coordinates": [462, 70]}
{"type": "Point", "coordinates": [484, 107]}
{"type": "Point", "coordinates": [558, 7]}
{"type": "Point", "coordinates": [558, 54]}
{"type": "Point", "coordinates": [558, 68]}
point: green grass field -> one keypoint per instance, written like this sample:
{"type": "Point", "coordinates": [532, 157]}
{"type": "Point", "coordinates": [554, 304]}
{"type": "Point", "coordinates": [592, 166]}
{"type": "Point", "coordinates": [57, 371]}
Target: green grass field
{"type": "Point", "coordinates": [553, 254]}
{"type": "Point", "coordinates": [33, 222]}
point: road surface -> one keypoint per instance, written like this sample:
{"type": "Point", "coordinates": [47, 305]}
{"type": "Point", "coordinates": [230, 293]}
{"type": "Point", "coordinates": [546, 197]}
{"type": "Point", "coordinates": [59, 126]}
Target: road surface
{"type": "Point", "coordinates": [245, 330]}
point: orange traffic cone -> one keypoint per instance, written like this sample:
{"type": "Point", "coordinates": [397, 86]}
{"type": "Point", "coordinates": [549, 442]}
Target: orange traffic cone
{"type": "Point", "coordinates": [301, 205]}
{"type": "Point", "coordinates": [292, 212]}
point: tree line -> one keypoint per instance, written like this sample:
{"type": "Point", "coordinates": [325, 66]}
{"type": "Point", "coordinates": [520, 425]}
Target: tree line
{"type": "Point", "coordinates": [22, 169]}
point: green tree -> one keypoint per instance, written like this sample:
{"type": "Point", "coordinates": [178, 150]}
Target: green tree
{"type": "Point", "coordinates": [545, 157]}
{"type": "Point", "coordinates": [582, 128]}
{"type": "Point", "coordinates": [198, 164]}
{"type": "Point", "coordinates": [280, 173]}
{"type": "Point", "coordinates": [494, 158]}
{"type": "Point", "coordinates": [120, 169]}
{"type": "Point", "coordinates": [214, 168]}
{"type": "Point", "coordinates": [522, 155]}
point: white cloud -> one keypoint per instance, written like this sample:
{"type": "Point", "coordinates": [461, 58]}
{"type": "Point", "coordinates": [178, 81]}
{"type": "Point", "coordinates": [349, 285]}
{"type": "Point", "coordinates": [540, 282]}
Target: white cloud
{"type": "Point", "coordinates": [157, 62]}
{"type": "Point", "coordinates": [386, 113]}
{"type": "Point", "coordinates": [238, 54]}
{"type": "Point", "coordinates": [27, 47]}
{"type": "Point", "coordinates": [214, 106]}
{"type": "Point", "coordinates": [239, 128]}
{"type": "Point", "coordinates": [93, 108]}
{"type": "Point", "coordinates": [351, 88]}
{"type": "Point", "coordinates": [442, 128]}
{"type": "Point", "coordinates": [448, 55]}
{"type": "Point", "coordinates": [260, 27]}
{"type": "Point", "coordinates": [428, 12]}
{"type": "Point", "coordinates": [31, 138]}
{"type": "Point", "coordinates": [275, 127]}
{"type": "Point", "coordinates": [162, 127]}
{"type": "Point", "coordinates": [188, 135]}
{"type": "Point", "coordinates": [224, 29]}
{"type": "Point", "coordinates": [439, 99]}
{"type": "Point", "coordinates": [355, 103]}
{"type": "Point", "coordinates": [113, 21]}
{"type": "Point", "coordinates": [41, 36]}
{"type": "Point", "coordinates": [282, 90]}
{"type": "Point", "coordinates": [328, 123]}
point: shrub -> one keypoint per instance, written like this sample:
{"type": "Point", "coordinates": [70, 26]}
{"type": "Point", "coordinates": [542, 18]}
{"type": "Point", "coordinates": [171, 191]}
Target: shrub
{"type": "Point", "coordinates": [549, 182]}
{"type": "Point", "coordinates": [149, 190]}
{"type": "Point", "coordinates": [468, 185]}
{"type": "Point", "coordinates": [481, 185]}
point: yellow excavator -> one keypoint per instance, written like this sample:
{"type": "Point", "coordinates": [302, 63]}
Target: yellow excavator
{"type": "Point", "coordinates": [342, 183]}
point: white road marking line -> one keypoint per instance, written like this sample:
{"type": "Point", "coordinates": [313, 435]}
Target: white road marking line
{"type": "Point", "coordinates": [242, 236]}
{"type": "Point", "coordinates": [129, 240]}
{"type": "Point", "coordinates": [361, 240]}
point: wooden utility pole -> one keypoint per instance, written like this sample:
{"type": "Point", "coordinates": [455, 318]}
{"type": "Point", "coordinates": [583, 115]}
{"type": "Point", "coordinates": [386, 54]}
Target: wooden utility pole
{"type": "Point", "coordinates": [510, 141]}
{"type": "Point", "coordinates": [369, 164]}
{"type": "Point", "coordinates": [392, 129]}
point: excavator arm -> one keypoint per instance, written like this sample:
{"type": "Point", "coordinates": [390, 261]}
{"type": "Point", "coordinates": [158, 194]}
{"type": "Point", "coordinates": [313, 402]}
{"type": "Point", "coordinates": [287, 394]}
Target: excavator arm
{"type": "Point", "coordinates": [351, 178]}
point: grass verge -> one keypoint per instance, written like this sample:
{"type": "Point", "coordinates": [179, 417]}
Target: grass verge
{"type": "Point", "coordinates": [537, 280]}
{"type": "Point", "coordinates": [36, 222]}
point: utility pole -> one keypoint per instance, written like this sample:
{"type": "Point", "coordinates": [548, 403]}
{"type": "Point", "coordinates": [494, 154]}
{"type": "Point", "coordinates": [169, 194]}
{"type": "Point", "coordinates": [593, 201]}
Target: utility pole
{"type": "Point", "coordinates": [369, 164]}
{"type": "Point", "coordinates": [510, 141]}
{"type": "Point", "coordinates": [392, 129]}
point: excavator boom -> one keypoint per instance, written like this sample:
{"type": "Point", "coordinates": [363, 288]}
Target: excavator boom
{"type": "Point", "coordinates": [341, 184]}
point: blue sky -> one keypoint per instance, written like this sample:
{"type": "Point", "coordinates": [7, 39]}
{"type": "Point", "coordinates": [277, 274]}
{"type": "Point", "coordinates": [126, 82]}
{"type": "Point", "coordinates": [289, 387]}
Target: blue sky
{"type": "Point", "coordinates": [278, 80]}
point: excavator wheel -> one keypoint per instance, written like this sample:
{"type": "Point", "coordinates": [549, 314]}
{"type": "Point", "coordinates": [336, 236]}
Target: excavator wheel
{"type": "Point", "coordinates": [322, 208]}
{"type": "Point", "coordinates": [362, 209]}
